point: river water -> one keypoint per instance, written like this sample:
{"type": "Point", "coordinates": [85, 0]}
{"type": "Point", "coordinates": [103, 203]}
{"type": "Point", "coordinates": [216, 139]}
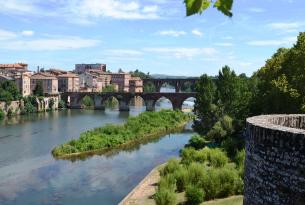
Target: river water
{"type": "Point", "coordinates": [30, 175]}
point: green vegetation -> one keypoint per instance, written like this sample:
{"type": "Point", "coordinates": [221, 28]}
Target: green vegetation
{"type": "Point", "coordinates": [51, 104]}
{"type": "Point", "coordinates": [61, 104]}
{"type": "Point", "coordinates": [145, 125]}
{"type": "Point", "coordinates": [2, 114]}
{"type": "Point", "coordinates": [202, 174]}
{"type": "Point", "coordinates": [109, 89]}
{"type": "Point", "coordinates": [30, 105]}
{"type": "Point", "coordinates": [140, 74]}
{"type": "Point", "coordinates": [199, 6]}
{"type": "Point", "coordinates": [149, 88]}
{"type": "Point", "coordinates": [87, 102]}
{"type": "Point", "coordinates": [38, 91]}
{"type": "Point", "coordinates": [9, 91]}
{"type": "Point", "coordinates": [111, 103]}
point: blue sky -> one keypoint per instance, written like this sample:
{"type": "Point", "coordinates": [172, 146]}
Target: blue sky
{"type": "Point", "coordinates": [150, 35]}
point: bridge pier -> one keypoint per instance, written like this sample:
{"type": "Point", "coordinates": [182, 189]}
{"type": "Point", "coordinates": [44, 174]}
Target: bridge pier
{"type": "Point", "coordinates": [123, 106]}
{"type": "Point", "coordinates": [98, 105]}
{"type": "Point", "coordinates": [150, 105]}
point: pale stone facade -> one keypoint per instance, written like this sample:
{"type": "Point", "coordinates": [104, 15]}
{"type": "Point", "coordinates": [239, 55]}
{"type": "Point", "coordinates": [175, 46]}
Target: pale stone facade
{"type": "Point", "coordinates": [23, 82]}
{"type": "Point", "coordinates": [136, 85]}
{"type": "Point", "coordinates": [68, 82]}
{"type": "Point", "coordinates": [49, 82]}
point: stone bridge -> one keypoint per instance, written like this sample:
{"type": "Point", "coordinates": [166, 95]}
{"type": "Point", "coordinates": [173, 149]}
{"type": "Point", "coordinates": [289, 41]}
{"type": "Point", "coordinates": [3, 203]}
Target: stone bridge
{"type": "Point", "coordinates": [74, 99]}
{"type": "Point", "coordinates": [176, 82]}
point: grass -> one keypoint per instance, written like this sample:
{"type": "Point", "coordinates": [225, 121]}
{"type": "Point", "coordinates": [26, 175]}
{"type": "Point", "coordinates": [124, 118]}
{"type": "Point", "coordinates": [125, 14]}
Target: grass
{"type": "Point", "coordinates": [146, 125]}
{"type": "Point", "coordinates": [232, 200]}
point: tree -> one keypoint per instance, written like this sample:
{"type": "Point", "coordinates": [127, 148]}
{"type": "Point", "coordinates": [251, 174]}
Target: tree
{"type": "Point", "coordinates": [205, 109]}
{"type": "Point", "coordinates": [108, 89]}
{"type": "Point", "coordinates": [140, 74]}
{"type": "Point", "coordinates": [199, 6]}
{"type": "Point", "coordinates": [281, 82]}
{"type": "Point", "coordinates": [9, 91]}
{"type": "Point", "coordinates": [38, 91]}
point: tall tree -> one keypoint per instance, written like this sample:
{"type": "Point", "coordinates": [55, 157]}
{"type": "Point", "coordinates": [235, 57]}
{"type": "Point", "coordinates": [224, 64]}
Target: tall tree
{"type": "Point", "coordinates": [38, 91]}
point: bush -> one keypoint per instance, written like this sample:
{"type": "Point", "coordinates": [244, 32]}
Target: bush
{"type": "Point", "coordinates": [240, 161]}
{"type": "Point", "coordinates": [2, 114]}
{"type": "Point", "coordinates": [61, 104]}
{"type": "Point", "coordinates": [51, 103]}
{"type": "Point", "coordinates": [10, 112]}
{"type": "Point", "coordinates": [165, 197]}
{"type": "Point", "coordinates": [196, 172]}
{"type": "Point", "coordinates": [87, 102]}
{"type": "Point", "coordinates": [217, 158]}
{"type": "Point", "coordinates": [171, 166]}
{"type": "Point", "coordinates": [194, 195]}
{"type": "Point", "coordinates": [197, 142]}
{"type": "Point", "coordinates": [181, 176]}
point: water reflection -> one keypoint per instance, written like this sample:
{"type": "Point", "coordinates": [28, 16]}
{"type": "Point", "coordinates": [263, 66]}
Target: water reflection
{"type": "Point", "coordinates": [30, 175]}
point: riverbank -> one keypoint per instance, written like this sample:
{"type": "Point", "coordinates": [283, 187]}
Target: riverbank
{"type": "Point", "coordinates": [146, 125]}
{"type": "Point", "coordinates": [143, 193]}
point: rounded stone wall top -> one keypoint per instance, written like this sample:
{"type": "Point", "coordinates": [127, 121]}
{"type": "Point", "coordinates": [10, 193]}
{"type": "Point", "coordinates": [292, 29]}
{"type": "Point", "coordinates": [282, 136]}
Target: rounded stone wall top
{"type": "Point", "coordinates": [293, 123]}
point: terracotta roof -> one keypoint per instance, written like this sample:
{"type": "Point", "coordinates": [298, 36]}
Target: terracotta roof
{"type": "Point", "coordinates": [15, 65]}
{"type": "Point", "coordinates": [68, 75]}
{"type": "Point", "coordinates": [43, 75]}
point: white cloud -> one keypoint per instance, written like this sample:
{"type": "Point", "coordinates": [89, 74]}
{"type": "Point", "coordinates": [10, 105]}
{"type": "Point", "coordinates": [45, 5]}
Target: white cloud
{"type": "Point", "coordinates": [196, 32]}
{"type": "Point", "coordinates": [114, 9]}
{"type": "Point", "coordinates": [224, 44]}
{"type": "Point", "coordinates": [280, 42]}
{"type": "Point", "coordinates": [16, 6]}
{"type": "Point", "coordinates": [173, 33]}
{"type": "Point", "coordinates": [257, 10]}
{"type": "Point", "coordinates": [227, 38]}
{"type": "Point", "coordinates": [4, 35]}
{"type": "Point", "coordinates": [180, 52]}
{"type": "Point", "coordinates": [49, 44]}
{"type": "Point", "coordinates": [286, 26]}
{"type": "Point", "coordinates": [27, 33]}
{"type": "Point", "coordinates": [150, 9]}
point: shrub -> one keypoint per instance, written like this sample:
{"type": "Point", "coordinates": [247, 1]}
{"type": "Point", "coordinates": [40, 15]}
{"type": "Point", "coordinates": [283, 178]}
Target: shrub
{"type": "Point", "coordinates": [229, 179]}
{"type": "Point", "coordinates": [51, 103]}
{"type": "Point", "coordinates": [168, 182]}
{"type": "Point", "coordinates": [194, 195]}
{"type": "Point", "coordinates": [217, 158]}
{"type": "Point", "coordinates": [171, 166]}
{"type": "Point", "coordinates": [181, 176]}
{"type": "Point", "coordinates": [196, 172]}
{"type": "Point", "coordinates": [197, 142]}
{"type": "Point", "coordinates": [2, 114]}
{"type": "Point", "coordinates": [61, 104]}
{"type": "Point", "coordinates": [165, 197]}
{"type": "Point", "coordinates": [87, 101]}
{"type": "Point", "coordinates": [240, 161]}
{"type": "Point", "coordinates": [10, 112]}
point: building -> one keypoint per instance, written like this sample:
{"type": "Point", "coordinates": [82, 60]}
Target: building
{"type": "Point", "coordinates": [48, 81]}
{"type": "Point", "coordinates": [68, 82]}
{"type": "Point", "coordinates": [90, 82]}
{"type": "Point", "coordinates": [5, 78]}
{"type": "Point", "coordinates": [121, 79]}
{"type": "Point", "coordinates": [23, 82]}
{"type": "Point", "coordinates": [14, 67]}
{"type": "Point", "coordinates": [127, 83]}
{"type": "Point", "coordinates": [81, 68]}
{"type": "Point", "coordinates": [136, 85]}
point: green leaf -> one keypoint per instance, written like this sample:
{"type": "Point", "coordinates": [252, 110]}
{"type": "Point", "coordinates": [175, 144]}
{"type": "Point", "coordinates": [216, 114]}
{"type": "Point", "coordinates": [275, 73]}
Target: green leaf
{"type": "Point", "coordinates": [196, 6]}
{"type": "Point", "coordinates": [225, 6]}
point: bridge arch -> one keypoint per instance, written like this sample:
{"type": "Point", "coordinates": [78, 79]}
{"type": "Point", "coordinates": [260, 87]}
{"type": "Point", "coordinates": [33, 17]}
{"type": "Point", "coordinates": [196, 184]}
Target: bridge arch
{"type": "Point", "coordinates": [187, 86]}
{"type": "Point", "coordinates": [110, 102]}
{"type": "Point", "coordinates": [188, 104]}
{"type": "Point", "coordinates": [86, 101]}
{"type": "Point", "coordinates": [164, 103]}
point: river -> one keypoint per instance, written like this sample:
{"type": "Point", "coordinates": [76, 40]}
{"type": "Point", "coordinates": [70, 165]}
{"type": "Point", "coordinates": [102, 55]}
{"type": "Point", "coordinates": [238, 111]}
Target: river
{"type": "Point", "coordinates": [30, 175]}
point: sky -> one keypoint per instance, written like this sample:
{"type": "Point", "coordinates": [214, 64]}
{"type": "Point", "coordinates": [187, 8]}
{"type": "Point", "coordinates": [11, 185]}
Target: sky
{"type": "Point", "coordinates": [150, 35]}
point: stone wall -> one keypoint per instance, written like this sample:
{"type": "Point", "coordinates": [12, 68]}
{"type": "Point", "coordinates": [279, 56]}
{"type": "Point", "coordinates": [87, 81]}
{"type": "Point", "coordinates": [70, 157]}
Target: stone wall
{"type": "Point", "coordinates": [275, 160]}
{"type": "Point", "coordinates": [42, 105]}
{"type": "Point", "coordinates": [14, 107]}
